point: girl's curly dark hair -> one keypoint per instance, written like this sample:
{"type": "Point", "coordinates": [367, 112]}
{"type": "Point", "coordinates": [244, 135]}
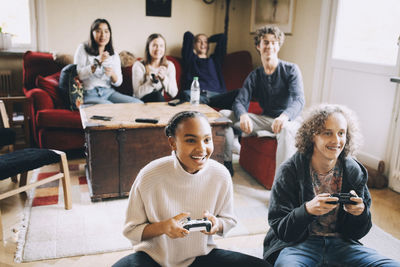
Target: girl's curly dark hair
{"type": "Point", "coordinates": [314, 123]}
{"type": "Point", "coordinates": [179, 117]}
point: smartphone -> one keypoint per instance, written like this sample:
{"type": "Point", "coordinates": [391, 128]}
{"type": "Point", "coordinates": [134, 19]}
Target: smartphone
{"type": "Point", "coordinates": [174, 102]}
{"type": "Point", "coordinates": [146, 120]}
{"type": "Point", "coordinates": [102, 118]}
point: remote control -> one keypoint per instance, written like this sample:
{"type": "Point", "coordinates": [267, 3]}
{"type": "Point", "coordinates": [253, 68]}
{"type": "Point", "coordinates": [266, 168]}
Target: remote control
{"type": "Point", "coordinates": [196, 225]}
{"type": "Point", "coordinates": [344, 198]}
{"type": "Point", "coordinates": [146, 120]}
{"type": "Point", "coordinates": [103, 118]}
{"type": "Point", "coordinates": [174, 102]}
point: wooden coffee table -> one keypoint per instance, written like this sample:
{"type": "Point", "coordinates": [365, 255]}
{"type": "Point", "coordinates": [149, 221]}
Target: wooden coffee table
{"type": "Point", "coordinates": [116, 150]}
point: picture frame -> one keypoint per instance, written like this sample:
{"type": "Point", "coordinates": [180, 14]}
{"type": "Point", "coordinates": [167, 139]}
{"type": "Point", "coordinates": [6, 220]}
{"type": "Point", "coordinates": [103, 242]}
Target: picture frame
{"type": "Point", "coordinates": [272, 12]}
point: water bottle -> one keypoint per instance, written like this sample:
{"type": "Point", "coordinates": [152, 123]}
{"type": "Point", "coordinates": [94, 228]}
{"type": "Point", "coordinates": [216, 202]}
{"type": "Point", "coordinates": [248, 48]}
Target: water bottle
{"type": "Point", "coordinates": [195, 91]}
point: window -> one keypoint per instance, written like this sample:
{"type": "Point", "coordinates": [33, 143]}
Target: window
{"type": "Point", "coordinates": [367, 31]}
{"type": "Point", "coordinates": [17, 18]}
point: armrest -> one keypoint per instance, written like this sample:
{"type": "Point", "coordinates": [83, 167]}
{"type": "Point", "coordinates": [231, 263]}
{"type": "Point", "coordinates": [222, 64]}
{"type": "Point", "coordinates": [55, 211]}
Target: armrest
{"type": "Point", "coordinates": [40, 99]}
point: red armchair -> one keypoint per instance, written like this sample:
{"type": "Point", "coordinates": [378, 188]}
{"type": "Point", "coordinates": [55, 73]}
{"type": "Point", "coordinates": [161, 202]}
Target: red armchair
{"type": "Point", "coordinates": [53, 124]}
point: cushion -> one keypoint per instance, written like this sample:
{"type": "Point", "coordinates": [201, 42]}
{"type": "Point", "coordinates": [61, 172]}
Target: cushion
{"type": "Point", "coordinates": [25, 160]}
{"type": "Point", "coordinates": [50, 85]}
{"type": "Point", "coordinates": [71, 87]}
{"type": "Point", "coordinates": [50, 118]}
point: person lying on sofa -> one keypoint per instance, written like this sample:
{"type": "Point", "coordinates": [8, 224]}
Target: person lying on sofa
{"type": "Point", "coordinates": [154, 74]}
{"type": "Point", "coordinates": [169, 189]}
{"type": "Point", "coordinates": [196, 63]}
{"type": "Point", "coordinates": [278, 87]}
{"type": "Point", "coordinates": [309, 226]}
{"type": "Point", "coordinates": [99, 67]}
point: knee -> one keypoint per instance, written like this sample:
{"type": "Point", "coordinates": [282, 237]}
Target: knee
{"type": "Point", "coordinates": [225, 112]}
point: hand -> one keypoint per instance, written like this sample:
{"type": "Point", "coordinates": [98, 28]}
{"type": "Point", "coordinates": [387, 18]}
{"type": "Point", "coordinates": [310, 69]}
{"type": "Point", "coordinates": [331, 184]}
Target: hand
{"type": "Point", "coordinates": [318, 206]}
{"type": "Point", "coordinates": [173, 228]}
{"type": "Point", "coordinates": [279, 123]}
{"type": "Point", "coordinates": [104, 56]}
{"type": "Point", "coordinates": [355, 209]}
{"type": "Point", "coordinates": [108, 71]}
{"type": "Point", "coordinates": [162, 71]}
{"type": "Point", "coordinates": [214, 221]}
{"type": "Point", "coordinates": [246, 124]}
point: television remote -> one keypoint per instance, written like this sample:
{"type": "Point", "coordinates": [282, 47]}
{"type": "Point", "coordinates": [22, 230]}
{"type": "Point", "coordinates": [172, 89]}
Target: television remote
{"type": "Point", "coordinates": [146, 120]}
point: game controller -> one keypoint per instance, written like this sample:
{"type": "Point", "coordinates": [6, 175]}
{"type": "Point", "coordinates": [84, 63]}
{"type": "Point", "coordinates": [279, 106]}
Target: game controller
{"type": "Point", "coordinates": [196, 225]}
{"type": "Point", "coordinates": [344, 198]}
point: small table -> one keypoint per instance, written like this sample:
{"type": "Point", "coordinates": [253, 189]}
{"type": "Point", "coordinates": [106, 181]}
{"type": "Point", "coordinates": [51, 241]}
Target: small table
{"type": "Point", "coordinates": [116, 150]}
{"type": "Point", "coordinates": [19, 120]}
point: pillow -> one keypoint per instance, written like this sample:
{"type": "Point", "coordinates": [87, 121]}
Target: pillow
{"type": "Point", "coordinates": [71, 87]}
{"type": "Point", "coordinates": [50, 85]}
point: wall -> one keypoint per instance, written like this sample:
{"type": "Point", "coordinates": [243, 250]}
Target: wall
{"type": "Point", "coordinates": [68, 23]}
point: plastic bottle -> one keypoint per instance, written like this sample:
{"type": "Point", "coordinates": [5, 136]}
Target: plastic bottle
{"type": "Point", "coordinates": [195, 91]}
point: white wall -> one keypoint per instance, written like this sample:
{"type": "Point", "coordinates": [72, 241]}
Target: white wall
{"type": "Point", "coordinates": [68, 23]}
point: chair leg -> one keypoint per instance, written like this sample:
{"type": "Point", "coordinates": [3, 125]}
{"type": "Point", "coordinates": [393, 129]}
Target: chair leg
{"type": "Point", "coordinates": [14, 179]}
{"type": "Point", "coordinates": [1, 232]}
{"type": "Point", "coordinates": [66, 183]}
{"type": "Point", "coordinates": [23, 179]}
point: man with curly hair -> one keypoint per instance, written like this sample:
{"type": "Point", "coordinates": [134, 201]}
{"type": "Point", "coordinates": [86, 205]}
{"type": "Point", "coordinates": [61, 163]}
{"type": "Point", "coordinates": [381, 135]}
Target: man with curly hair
{"type": "Point", "coordinates": [310, 227]}
{"type": "Point", "coordinates": [278, 87]}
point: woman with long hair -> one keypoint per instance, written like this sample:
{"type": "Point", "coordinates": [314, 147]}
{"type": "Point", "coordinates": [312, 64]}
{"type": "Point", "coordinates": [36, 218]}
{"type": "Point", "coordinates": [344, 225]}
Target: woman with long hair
{"type": "Point", "coordinates": [99, 67]}
{"type": "Point", "coordinates": [154, 75]}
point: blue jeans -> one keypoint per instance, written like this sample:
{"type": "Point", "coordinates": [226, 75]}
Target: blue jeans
{"type": "Point", "coordinates": [331, 251]}
{"type": "Point", "coordinates": [102, 95]}
{"type": "Point", "coordinates": [216, 258]}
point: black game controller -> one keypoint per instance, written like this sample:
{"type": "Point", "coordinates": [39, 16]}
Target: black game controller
{"type": "Point", "coordinates": [344, 198]}
{"type": "Point", "coordinates": [196, 225]}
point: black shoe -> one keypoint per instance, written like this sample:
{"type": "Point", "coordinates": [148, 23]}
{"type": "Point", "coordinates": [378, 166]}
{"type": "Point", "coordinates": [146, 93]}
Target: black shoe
{"type": "Point", "coordinates": [228, 165]}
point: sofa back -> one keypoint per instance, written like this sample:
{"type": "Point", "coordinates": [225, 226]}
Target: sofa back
{"type": "Point", "coordinates": [37, 63]}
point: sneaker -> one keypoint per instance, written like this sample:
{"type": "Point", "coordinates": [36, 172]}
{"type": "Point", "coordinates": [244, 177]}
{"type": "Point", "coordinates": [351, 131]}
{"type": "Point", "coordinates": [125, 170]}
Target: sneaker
{"type": "Point", "coordinates": [228, 165]}
{"type": "Point", "coordinates": [236, 146]}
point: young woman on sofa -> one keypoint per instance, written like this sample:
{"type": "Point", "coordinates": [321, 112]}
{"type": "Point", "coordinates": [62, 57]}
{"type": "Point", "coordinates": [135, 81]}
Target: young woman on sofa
{"type": "Point", "coordinates": [154, 74]}
{"type": "Point", "coordinates": [99, 67]}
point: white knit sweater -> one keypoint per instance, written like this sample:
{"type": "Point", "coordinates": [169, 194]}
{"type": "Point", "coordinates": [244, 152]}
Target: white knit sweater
{"type": "Point", "coordinates": [162, 190]}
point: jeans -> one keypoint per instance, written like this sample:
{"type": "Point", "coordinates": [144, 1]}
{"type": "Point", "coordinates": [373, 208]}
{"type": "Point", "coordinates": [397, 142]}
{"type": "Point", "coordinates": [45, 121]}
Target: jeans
{"type": "Point", "coordinates": [102, 95]}
{"type": "Point", "coordinates": [216, 258]}
{"type": "Point", "coordinates": [331, 251]}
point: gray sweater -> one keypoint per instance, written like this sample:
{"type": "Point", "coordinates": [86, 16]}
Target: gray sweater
{"type": "Point", "coordinates": [281, 91]}
{"type": "Point", "coordinates": [162, 190]}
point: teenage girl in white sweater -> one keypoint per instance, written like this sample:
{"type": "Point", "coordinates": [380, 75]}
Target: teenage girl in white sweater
{"type": "Point", "coordinates": [99, 67]}
{"type": "Point", "coordinates": [154, 75]}
{"type": "Point", "coordinates": [167, 190]}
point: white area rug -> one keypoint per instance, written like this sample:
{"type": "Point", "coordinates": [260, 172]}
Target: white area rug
{"type": "Point", "coordinates": [91, 228]}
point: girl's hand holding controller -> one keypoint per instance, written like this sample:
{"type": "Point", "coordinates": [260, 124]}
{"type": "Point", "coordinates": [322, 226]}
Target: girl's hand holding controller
{"type": "Point", "coordinates": [104, 56]}
{"type": "Point", "coordinates": [216, 226]}
{"type": "Point", "coordinates": [173, 226]}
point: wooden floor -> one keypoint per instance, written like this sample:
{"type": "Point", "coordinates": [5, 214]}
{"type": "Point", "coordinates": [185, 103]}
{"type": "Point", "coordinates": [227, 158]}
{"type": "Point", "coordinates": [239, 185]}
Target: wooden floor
{"type": "Point", "coordinates": [385, 213]}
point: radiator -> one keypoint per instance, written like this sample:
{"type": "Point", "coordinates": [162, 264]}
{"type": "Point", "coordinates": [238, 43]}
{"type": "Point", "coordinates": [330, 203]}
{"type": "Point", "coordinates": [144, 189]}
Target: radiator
{"type": "Point", "coordinates": [5, 82]}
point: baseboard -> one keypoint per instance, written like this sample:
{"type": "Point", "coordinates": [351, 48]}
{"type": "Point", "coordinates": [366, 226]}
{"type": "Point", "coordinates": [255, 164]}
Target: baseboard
{"type": "Point", "coordinates": [369, 160]}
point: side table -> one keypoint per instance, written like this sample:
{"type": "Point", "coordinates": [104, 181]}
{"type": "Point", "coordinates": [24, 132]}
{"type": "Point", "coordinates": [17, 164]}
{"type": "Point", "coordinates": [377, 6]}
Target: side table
{"type": "Point", "coordinates": [16, 120]}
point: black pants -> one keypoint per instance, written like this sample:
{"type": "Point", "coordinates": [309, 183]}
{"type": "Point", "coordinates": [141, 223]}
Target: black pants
{"type": "Point", "coordinates": [221, 101]}
{"type": "Point", "coordinates": [154, 96]}
{"type": "Point", "coordinates": [216, 258]}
